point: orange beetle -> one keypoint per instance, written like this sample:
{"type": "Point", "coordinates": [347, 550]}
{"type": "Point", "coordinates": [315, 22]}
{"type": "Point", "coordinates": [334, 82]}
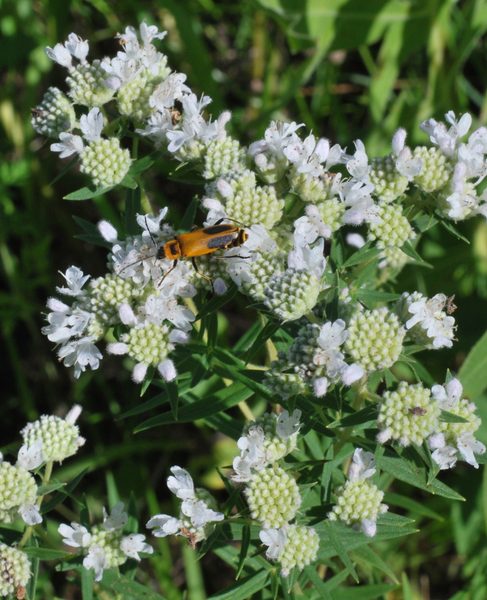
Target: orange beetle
{"type": "Point", "coordinates": [207, 240]}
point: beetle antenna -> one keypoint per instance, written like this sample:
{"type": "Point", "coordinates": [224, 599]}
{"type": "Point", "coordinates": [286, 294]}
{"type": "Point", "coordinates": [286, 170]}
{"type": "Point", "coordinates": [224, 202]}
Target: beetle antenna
{"type": "Point", "coordinates": [149, 232]}
{"type": "Point", "coordinates": [140, 260]}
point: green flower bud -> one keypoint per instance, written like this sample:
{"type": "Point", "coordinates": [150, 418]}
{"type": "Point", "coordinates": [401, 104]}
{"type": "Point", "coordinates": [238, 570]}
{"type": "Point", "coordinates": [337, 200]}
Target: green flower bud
{"type": "Point", "coordinates": [359, 502]}
{"type": "Point", "coordinates": [392, 229]}
{"type": "Point", "coordinates": [14, 571]}
{"type": "Point", "coordinates": [436, 170]}
{"type": "Point", "coordinates": [105, 162]}
{"type": "Point", "coordinates": [407, 415]}
{"type": "Point", "coordinates": [60, 439]}
{"type": "Point", "coordinates": [54, 114]}
{"type": "Point", "coordinates": [375, 339]}
{"type": "Point", "coordinates": [108, 293]}
{"type": "Point", "coordinates": [17, 488]}
{"type": "Point", "coordinates": [87, 85]}
{"type": "Point", "coordinates": [222, 156]}
{"type": "Point", "coordinates": [148, 344]}
{"type": "Point", "coordinates": [273, 497]}
{"type": "Point", "coordinates": [300, 550]}
{"type": "Point", "coordinates": [292, 294]}
{"type": "Point", "coordinates": [109, 542]}
{"type": "Point", "coordinates": [389, 184]}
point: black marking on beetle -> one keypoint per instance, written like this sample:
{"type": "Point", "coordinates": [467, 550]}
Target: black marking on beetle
{"type": "Point", "coordinates": [218, 228]}
{"type": "Point", "coordinates": [224, 241]}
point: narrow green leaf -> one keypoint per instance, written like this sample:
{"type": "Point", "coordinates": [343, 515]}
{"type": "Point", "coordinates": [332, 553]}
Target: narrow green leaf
{"type": "Point", "coordinates": [213, 404]}
{"type": "Point", "coordinates": [364, 592]}
{"type": "Point", "coordinates": [410, 473]}
{"type": "Point", "coordinates": [473, 372]}
{"type": "Point", "coordinates": [364, 255]}
{"type": "Point", "coordinates": [417, 508]}
{"type": "Point", "coordinates": [86, 193]}
{"type": "Point", "coordinates": [46, 553]}
{"type": "Point", "coordinates": [244, 549]}
{"type": "Point", "coordinates": [340, 550]}
{"type": "Point", "coordinates": [448, 417]}
{"type": "Point", "coordinates": [244, 589]}
{"type": "Point", "coordinates": [418, 260]}
{"type": "Point", "coordinates": [370, 557]}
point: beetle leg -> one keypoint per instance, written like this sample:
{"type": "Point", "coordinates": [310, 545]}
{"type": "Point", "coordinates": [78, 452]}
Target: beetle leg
{"type": "Point", "coordinates": [159, 283]}
{"type": "Point", "coordinates": [195, 265]}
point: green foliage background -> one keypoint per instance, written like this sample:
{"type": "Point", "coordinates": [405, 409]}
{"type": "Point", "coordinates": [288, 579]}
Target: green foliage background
{"type": "Point", "coordinates": [348, 69]}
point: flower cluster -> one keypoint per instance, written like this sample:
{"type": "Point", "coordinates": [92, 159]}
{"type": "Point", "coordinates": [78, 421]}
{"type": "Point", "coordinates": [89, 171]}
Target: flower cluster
{"type": "Point", "coordinates": [359, 501]}
{"type": "Point", "coordinates": [412, 414]}
{"type": "Point", "coordinates": [104, 546]}
{"type": "Point", "coordinates": [271, 492]}
{"type": "Point", "coordinates": [196, 513]}
{"type": "Point", "coordinates": [49, 439]}
{"type": "Point", "coordinates": [135, 295]}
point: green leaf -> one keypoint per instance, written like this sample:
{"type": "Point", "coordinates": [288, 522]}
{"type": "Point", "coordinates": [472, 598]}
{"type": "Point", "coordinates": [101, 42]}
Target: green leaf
{"type": "Point", "coordinates": [366, 254]}
{"type": "Point", "coordinates": [126, 587]}
{"type": "Point", "coordinates": [201, 409]}
{"type": "Point", "coordinates": [86, 193]}
{"type": "Point", "coordinates": [473, 372]}
{"type": "Point", "coordinates": [340, 550]}
{"type": "Point", "coordinates": [364, 592]}
{"type": "Point", "coordinates": [244, 550]}
{"type": "Point", "coordinates": [417, 508]}
{"type": "Point", "coordinates": [46, 553]}
{"type": "Point", "coordinates": [406, 471]}
{"type": "Point", "coordinates": [244, 589]}
{"type": "Point", "coordinates": [417, 259]}
{"type": "Point", "coordinates": [369, 557]}
{"type": "Point", "coordinates": [448, 417]}
{"type": "Point", "coordinates": [50, 487]}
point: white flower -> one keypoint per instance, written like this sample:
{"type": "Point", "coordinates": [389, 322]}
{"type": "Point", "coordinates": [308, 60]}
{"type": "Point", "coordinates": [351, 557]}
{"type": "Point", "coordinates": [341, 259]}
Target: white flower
{"type": "Point", "coordinates": [362, 465]}
{"type": "Point", "coordinates": [288, 425]}
{"type": "Point", "coordinates": [134, 543]}
{"type": "Point", "coordinates": [75, 279]}
{"type": "Point", "coordinates": [180, 483]}
{"type": "Point", "coordinates": [252, 454]}
{"type": "Point", "coordinates": [77, 47]}
{"type": "Point", "coordinates": [304, 258]}
{"type": "Point", "coordinates": [463, 201]}
{"type": "Point", "coordinates": [355, 240]}
{"type": "Point", "coordinates": [406, 165]}
{"type": "Point", "coordinates": [68, 145]}
{"type": "Point", "coordinates": [357, 198]}
{"type": "Point", "coordinates": [117, 518]}
{"type": "Point", "coordinates": [310, 227]}
{"type": "Point", "coordinates": [449, 395]}
{"type": "Point", "coordinates": [467, 445]}
{"type": "Point", "coordinates": [277, 137]}
{"type": "Point", "coordinates": [91, 124]}
{"type": "Point", "coordinates": [159, 307]}
{"type": "Point", "coordinates": [429, 314]}
{"type": "Point", "coordinates": [275, 540]}
{"type": "Point", "coordinates": [199, 513]}
{"type": "Point", "coordinates": [168, 91]}
{"type": "Point", "coordinates": [358, 164]}
{"type": "Point", "coordinates": [80, 354]}
{"type": "Point", "coordinates": [151, 224]}
{"type": "Point", "coordinates": [369, 527]}
{"type": "Point", "coordinates": [96, 560]}
{"type": "Point", "coordinates": [76, 536]}
{"type": "Point", "coordinates": [61, 55]}
{"type": "Point", "coordinates": [307, 155]}
{"type": "Point", "coordinates": [445, 457]}
{"type": "Point", "coordinates": [164, 525]}
{"type": "Point", "coordinates": [30, 457]}
{"type": "Point", "coordinates": [30, 514]}
{"type": "Point", "coordinates": [447, 139]}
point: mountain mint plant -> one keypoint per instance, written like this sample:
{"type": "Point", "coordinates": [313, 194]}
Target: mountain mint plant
{"type": "Point", "coordinates": [330, 338]}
